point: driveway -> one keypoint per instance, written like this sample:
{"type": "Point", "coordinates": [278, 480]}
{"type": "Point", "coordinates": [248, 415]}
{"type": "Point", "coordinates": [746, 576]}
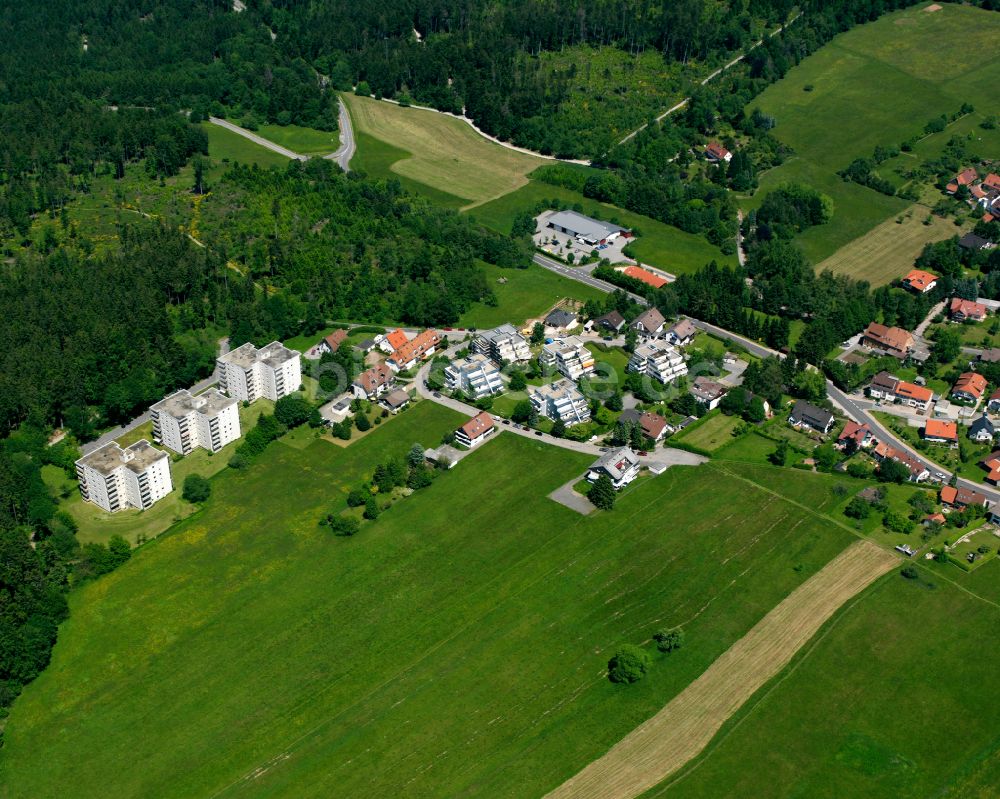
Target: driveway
{"type": "Point", "coordinates": [566, 495]}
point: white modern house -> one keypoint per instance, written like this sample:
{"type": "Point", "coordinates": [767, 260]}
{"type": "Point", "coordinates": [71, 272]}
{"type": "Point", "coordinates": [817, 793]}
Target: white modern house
{"type": "Point", "coordinates": [476, 375]}
{"type": "Point", "coordinates": [115, 479]}
{"type": "Point", "coordinates": [568, 356]}
{"type": "Point", "coordinates": [184, 421]}
{"type": "Point", "coordinates": [502, 344]}
{"type": "Point", "coordinates": [560, 400]}
{"type": "Point", "coordinates": [248, 373]}
{"type": "Point", "coordinates": [657, 359]}
{"type": "Point", "coordinates": [621, 465]}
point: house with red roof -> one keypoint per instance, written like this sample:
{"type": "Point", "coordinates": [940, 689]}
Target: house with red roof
{"type": "Point", "coordinates": [920, 281]}
{"type": "Point", "coordinates": [969, 387]}
{"type": "Point", "coordinates": [645, 276]}
{"type": "Point", "coordinates": [941, 431]}
{"type": "Point", "coordinates": [717, 154]}
{"type": "Point", "coordinates": [412, 352]}
{"type": "Point", "coordinates": [860, 434]}
{"type": "Point", "coordinates": [966, 177]}
{"type": "Point", "coordinates": [476, 430]}
{"type": "Point", "coordinates": [374, 382]}
{"type": "Point", "coordinates": [332, 342]}
{"type": "Point", "coordinates": [393, 341]}
{"type": "Point", "coordinates": [962, 497]}
{"type": "Point", "coordinates": [966, 310]}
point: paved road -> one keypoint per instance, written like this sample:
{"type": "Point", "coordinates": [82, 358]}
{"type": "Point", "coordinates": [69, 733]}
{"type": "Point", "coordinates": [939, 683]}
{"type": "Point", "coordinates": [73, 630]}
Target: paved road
{"type": "Point", "coordinates": [581, 275]}
{"type": "Point", "coordinates": [247, 134]}
{"type": "Point", "coordinates": [121, 430]}
{"type": "Point", "coordinates": [345, 152]}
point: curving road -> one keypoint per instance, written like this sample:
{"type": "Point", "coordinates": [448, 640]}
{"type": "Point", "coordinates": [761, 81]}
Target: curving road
{"type": "Point", "coordinates": [248, 134]}
{"type": "Point", "coordinates": [345, 152]}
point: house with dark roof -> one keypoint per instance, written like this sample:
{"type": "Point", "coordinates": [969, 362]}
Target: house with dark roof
{"type": "Point", "coordinates": [561, 319]}
{"type": "Point", "coordinates": [649, 323]}
{"type": "Point", "coordinates": [970, 241]}
{"type": "Point", "coordinates": [395, 400]}
{"type": "Point", "coordinates": [982, 429]}
{"type": "Point", "coordinates": [707, 391]}
{"type": "Point", "coordinates": [620, 465]}
{"type": "Point", "coordinates": [612, 321]}
{"type": "Point", "coordinates": [805, 414]}
{"type": "Point", "coordinates": [993, 404]}
{"type": "Point", "coordinates": [682, 333]}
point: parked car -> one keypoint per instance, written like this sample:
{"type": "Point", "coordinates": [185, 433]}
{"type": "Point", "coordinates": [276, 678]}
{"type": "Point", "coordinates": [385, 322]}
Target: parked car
{"type": "Point", "coordinates": [538, 432]}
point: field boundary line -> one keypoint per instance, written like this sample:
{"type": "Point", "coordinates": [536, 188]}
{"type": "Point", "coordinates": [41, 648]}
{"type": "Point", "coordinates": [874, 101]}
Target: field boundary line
{"type": "Point", "coordinates": [682, 729]}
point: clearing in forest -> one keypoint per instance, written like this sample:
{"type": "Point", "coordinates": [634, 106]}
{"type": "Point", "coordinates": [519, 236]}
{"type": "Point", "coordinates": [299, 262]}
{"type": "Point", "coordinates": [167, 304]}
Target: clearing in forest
{"type": "Point", "coordinates": [684, 727]}
{"type": "Point", "coordinates": [438, 151]}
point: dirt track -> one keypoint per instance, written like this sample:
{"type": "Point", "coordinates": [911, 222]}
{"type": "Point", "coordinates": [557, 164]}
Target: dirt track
{"type": "Point", "coordinates": [664, 743]}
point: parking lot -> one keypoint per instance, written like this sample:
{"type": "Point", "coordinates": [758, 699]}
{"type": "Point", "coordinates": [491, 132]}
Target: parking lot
{"type": "Point", "coordinates": [561, 245]}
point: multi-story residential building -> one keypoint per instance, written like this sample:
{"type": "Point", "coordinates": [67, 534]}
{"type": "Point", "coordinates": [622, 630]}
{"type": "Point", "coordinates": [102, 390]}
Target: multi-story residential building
{"type": "Point", "coordinates": [560, 400]}
{"type": "Point", "coordinates": [374, 382]}
{"type": "Point", "coordinates": [409, 354]}
{"type": "Point", "coordinates": [248, 373]}
{"type": "Point", "coordinates": [891, 340]}
{"type": "Point", "coordinates": [658, 360]}
{"type": "Point", "coordinates": [183, 421]}
{"type": "Point", "coordinates": [115, 479]}
{"type": "Point", "coordinates": [476, 375]}
{"type": "Point", "coordinates": [502, 345]}
{"type": "Point", "coordinates": [568, 356]}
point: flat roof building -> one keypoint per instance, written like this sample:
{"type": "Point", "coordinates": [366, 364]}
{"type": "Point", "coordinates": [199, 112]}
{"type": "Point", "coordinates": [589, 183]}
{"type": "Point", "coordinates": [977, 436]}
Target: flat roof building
{"type": "Point", "coordinates": [584, 228]}
{"type": "Point", "coordinates": [115, 479]}
{"type": "Point", "coordinates": [475, 375]}
{"type": "Point", "coordinates": [560, 400]}
{"type": "Point", "coordinates": [248, 373]}
{"type": "Point", "coordinates": [503, 344]}
{"type": "Point", "coordinates": [184, 421]}
{"type": "Point", "coordinates": [658, 360]}
{"type": "Point", "coordinates": [569, 356]}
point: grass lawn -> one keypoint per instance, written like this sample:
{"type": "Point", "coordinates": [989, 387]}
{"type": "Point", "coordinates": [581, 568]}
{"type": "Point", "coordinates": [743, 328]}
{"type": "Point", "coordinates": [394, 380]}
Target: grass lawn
{"type": "Point", "coordinates": [710, 433]}
{"type": "Point", "coordinates": [894, 698]}
{"type": "Point", "coordinates": [657, 244]}
{"type": "Point", "coordinates": [359, 643]}
{"type": "Point", "coordinates": [307, 141]}
{"type": "Point", "coordinates": [887, 252]}
{"type": "Point", "coordinates": [224, 145]}
{"type": "Point", "coordinates": [615, 359]}
{"type": "Point", "coordinates": [876, 84]}
{"type": "Point", "coordinates": [527, 294]}
{"type": "Point", "coordinates": [437, 151]}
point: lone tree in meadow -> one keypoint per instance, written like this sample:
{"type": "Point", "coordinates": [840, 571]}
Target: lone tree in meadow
{"type": "Point", "coordinates": [669, 640]}
{"type": "Point", "coordinates": [628, 665]}
{"type": "Point", "coordinates": [602, 493]}
{"type": "Point", "coordinates": [196, 488]}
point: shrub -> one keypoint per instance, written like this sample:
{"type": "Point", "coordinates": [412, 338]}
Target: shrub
{"type": "Point", "coordinates": [669, 640]}
{"type": "Point", "coordinates": [909, 572]}
{"type": "Point", "coordinates": [371, 509]}
{"type": "Point", "coordinates": [341, 525]}
{"type": "Point", "coordinates": [628, 665]}
{"type": "Point", "coordinates": [196, 488]}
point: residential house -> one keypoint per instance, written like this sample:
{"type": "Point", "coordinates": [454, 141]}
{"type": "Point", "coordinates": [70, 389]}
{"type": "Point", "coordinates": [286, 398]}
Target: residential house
{"type": "Point", "coordinates": [886, 386]}
{"type": "Point", "coordinates": [569, 356]}
{"type": "Point", "coordinates": [966, 177]}
{"type": "Point", "coordinates": [918, 472]}
{"type": "Point", "coordinates": [332, 342]}
{"type": "Point", "coordinates": [966, 310]}
{"type": "Point", "coordinates": [961, 498]}
{"type": "Point", "coordinates": [585, 229]}
{"type": "Point", "coordinates": [184, 421]}
{"type": "Point", "coordinates": [502, 345]}
{"type": "Point", "coordinates": [649, 323]}
{"type": "Point", "coordinates": [620, 465]}
{"type": "Point", "coordinates": [645, 276]}
{"type": "Point", "coordinates": [392, 341]}
{"type": "Point", "coordinates": [561, 319]}
{"type": "Point", "coordinates": [476, 375]}
{"type": "Point", "coordinates": [658, 360]}
{"type": "Point", "coordinates": [970, 241]}
{"type": "Point", "coordinates": [859, 436]}
{"type": "Point", "coordinates": [612, 322]}
{"type": "Point", "coordinates": [941, 431]}
{"type": "Point", "coordinates": [560, 400]}
{"type": "Point", "coordinates": [992, 465]}
{"type": "Point", "coordinates": [982, 429]}
{"type": "Point", "coordinates": [652, 424]}
{"type": "Point", "coordinates": [991, 355]}
{"type": "Point", "coordinates": [395, 400]}
{"type": "Point", "coordinates": [115, 479]}
{"type": "Point", "coordinates": [805, 414]}
{"type": "Point", "coordinates": [717, 154]}
{"type": "Point", "coordinates": [412, 352]}
{"type": "Point", "coordinates": [969, 387]}
{"type": "Point", "coordinates": [682, 333]}
{"type": "Point", "coordinates": [373, 383]}
{"type": "Point", "coordinates": [708, 392]}
{"type": "Point", "coordinates": [920, 281]}
{"type": "Point", "coordinates": [993, 404]}
{"type": "Point", "coordinates": [248, 373]}
{"type": "Point", "coordinates": [366, 345]}
{"type": "Point", "coordinates": [891, 340]}
{"type": "Point", "coordinates": [476, 430]}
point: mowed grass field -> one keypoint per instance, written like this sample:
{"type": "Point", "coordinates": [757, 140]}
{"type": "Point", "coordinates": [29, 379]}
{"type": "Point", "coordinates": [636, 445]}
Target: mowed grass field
{"type": "Point", "coordinates": [526, 294]}
{"type": "Point", "coordinates": [440, 151]}
{"type": "Point", "coordinates": [896, 697]}
{"type": "Point", "coordinates": [455, 646]}
{"type": "Point", "coordinates": [876, 84]}
{"type": "Point", "coordinates": [887, 252]}
{"type": "Point", "coordinates": [224, 145]}
{"type": "Point", "coordinates": [307, 141]}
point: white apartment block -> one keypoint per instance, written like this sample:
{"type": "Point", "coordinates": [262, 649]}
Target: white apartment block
{"type": "Point", "coordinates": [560, 400]}
{"type": "Point", "coordinates": [569, 356]}
{"type": "Point", "coordinates": [502, 345]}
{"type": "Point", "coordinates": [476, 375]}
{"type": "Point", "coordinates": [183, 421]}
{"type": "Point", "coordinates": [248, 373]}
{"type": "Point", "coordinates": [658, 360]}
{"type": "Point", "coordinates": [115, 479]}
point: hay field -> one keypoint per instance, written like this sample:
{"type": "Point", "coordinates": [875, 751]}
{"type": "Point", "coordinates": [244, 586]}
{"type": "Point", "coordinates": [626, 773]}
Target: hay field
{"type": "Point", "coordinates": [444, 153]}
{"type": "Point", "coordinates": [684, 727]}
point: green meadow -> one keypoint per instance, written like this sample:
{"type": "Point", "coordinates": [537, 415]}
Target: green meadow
{"type": "Point", "coordinates": [249, 653]}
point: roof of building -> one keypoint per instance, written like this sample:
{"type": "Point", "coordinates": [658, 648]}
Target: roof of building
{"type": "Point", "coordinates": [966, 307]}
{"type": "Point", "coordinates": [886, 381]}
{"type": "Point", "coordinates": [611, 319]}
{"type": "Point", "coordinates": [807, 412]}
{"type": "Point", "coordinates": [500, 333]}
{"type": "Point", "coordinates": [650, 319]}
{"type": "Point", "coordinates": [858, 432]}
{"type": "Point", "coordinates": [883, 450]}
{"type": "Point", "coordinates": [273, 354]}
{"type": "Point", "coordinates": [952, 495]}
{"type": "Point", "coordinates": [583, 226]}
{"type": "Point", "coordinates": [374, 378]}
{"type": "Point", "coordinates": [982, 423]}
{"type": "Point", "coordinates": [477, 425]}
{"type": "Point", "coordinates": [137, 457]}
{"type": "Point", "coordinates": [683, 329]}
{"type": "Point", "coordinates": [560, 317]}
{"type": "Point", "coordinates": [560, 389]}
{"type": "Point", "coordinates": [365, 344]}
{"type": "Point", "coordinates": [716, 150]}
{"type": "Point", "coordinates": [966, 176]}
{"type": "Point", "coordinates": [617, 462]}
{"type": "Point", "coordinates": [335, 339]}
{"type": "Point", "coordinates": [706, 388]}
{"type": "Point", "coordinates": [416, 347]}
{"type": "Point", "coordinates": [183, 402]}
{"type": "Point", "coordinates": [992, 181]}
{"type": "Point", "coordinates": [652, 424]}
{"type": "Point", "coordinates": [919, 279]}
{"type": "Point", "coordinates": [396, 398]}
{"type": "Point", "coordinates": [914, 392]}
{"type": "Point", "coordinates": [938, 517]}
{"type": "Point", "coordinates": [645, 276]}
{"type": "Point", "coordinates": [971, 383]}
{"type": "Point", "coordinates": [653, 347]}
{"type": "Point", "coordinates": [971, 241]}
{"type": "Point", "coordinates": [894, 338]}
{"type": "Point", "coordinates": [941, 428]}
{"type": "Point", "coordinates": [991, 355]}
{"type": "Point", "coordinates": [397, 338]}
